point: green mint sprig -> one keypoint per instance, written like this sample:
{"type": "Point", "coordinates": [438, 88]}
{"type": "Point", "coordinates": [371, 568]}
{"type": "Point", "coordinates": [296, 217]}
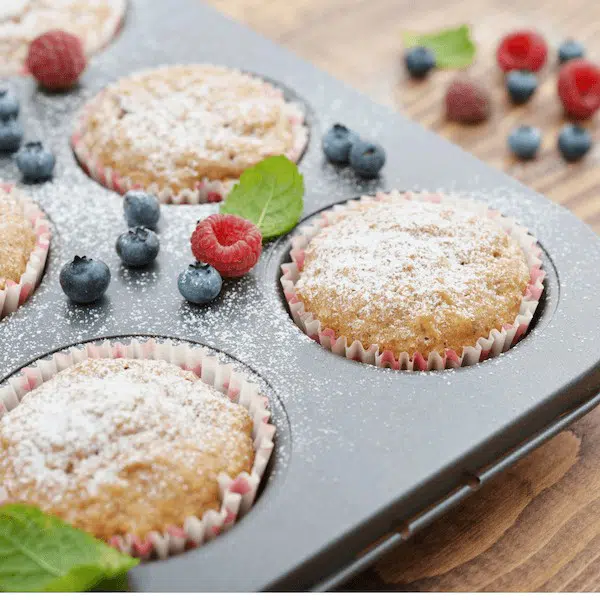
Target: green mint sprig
{"type": "Point", "coordinates": [453, 48]}
{"type": "Point", "coordinates": [270, 195]}
{"type": "Point", "coordinates": [41, 553]}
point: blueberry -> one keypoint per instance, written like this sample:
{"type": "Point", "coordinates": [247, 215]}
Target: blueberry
{"type": "Point", "coordinates": [337, 143]}
{"type": "Point", "coordinates": [200, 283]}
{"type": "Point", "coordinates": [569, 50]}
{"type": "Point", "coordinates": [138, 247]}
{"type": "Point", "coordinates": [521, 85]}
{"type": "Point", "coordinates": [574, 142]}
{"type": "Point", "coordinates": [367, 159]}
{"type": "Point", "coordinates": [141, 208]}
{"type": "Point", "coordinates": [84, 280]}
{"type": "Point", "coordinates": [35, 162]}
{"type": "Point", "coordinates": [11, 134]}
{"type": "Point", "coordinates": [9, 104]}
{"type": "Point", "coordinates": [524, 141]}
{"type": "Point", "coordinates": [419, 61]}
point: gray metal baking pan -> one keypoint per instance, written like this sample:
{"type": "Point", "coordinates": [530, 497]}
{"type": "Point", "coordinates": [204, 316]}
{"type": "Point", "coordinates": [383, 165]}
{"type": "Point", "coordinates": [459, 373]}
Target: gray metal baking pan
{"type": "Point", "coordinates": [360, 450]}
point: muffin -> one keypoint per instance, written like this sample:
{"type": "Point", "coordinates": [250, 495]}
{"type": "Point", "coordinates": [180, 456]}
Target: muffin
{"type": "Point", "coordinates": [21, 21]}
{"type": "Point", "coordinates": [185, 133]}
{"type": "Point", "coordinates": [123, 446]}
{"type": "Point", "coordinates": [414, 275]}
{"type": "Point", "coordinates": [17, 241]}
{"type": "Point", "coordinates": [24, 240]}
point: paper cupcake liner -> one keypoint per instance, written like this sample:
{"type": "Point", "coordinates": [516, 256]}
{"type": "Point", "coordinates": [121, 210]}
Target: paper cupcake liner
{"type": "Point", "coordinates": [205, 191]}
{"type": "Point", "coordinates": [497, 341]}
{"type": "Point", "coordinates": [237, 495]}
{"type": "Point", "coordinates": [16, 293]}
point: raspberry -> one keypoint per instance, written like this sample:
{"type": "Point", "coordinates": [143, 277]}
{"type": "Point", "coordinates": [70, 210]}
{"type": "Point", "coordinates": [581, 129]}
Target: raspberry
{"type": "Point", "coordinates": [230, 244]}
{"type": "Point", "coordinates": [579, 88]}
{"type": "Point", "coordinates": [467, 102]}
{"type": "Point", "coordinates": [56, 59]}
{"type": "Point", "coordinates": [524, 50]}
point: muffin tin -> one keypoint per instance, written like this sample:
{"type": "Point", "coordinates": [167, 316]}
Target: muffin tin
{"type": "Point", "coordinates": [360, 451]}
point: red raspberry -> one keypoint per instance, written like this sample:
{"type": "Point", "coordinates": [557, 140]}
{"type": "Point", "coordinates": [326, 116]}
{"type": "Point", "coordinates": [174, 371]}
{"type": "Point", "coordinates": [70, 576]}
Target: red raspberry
{"type": "Point", "coordinates": [230, 244]}
{"type": "Point", "coordinates": [56, 59]}
{"type": "Point", "coordinates": [579, 88]}
{"type": "Point", "coordinates": [467, 102]}
{"type": "Point", "coordinates": [525, 50]}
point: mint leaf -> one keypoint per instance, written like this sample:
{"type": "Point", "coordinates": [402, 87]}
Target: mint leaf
{"type": "Point", "coordinates": [115, 584]}
{"type": "Point", "coordinates": [270, 195]}
{"type": "Point", "coordinates": [41, 553]}
{"type": "Point", "coordinates": [453, 48]}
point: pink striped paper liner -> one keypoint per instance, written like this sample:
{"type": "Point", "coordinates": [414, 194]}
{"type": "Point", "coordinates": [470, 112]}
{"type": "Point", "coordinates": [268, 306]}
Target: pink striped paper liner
{"type": "Point", "coordinates": [237, 496]}
{"type": "Point", "coordinates": [205, 191]}
{"type": "Point", "coordinates": [497, 341]}
{"type": "Point", "coordinates": [16, 293]}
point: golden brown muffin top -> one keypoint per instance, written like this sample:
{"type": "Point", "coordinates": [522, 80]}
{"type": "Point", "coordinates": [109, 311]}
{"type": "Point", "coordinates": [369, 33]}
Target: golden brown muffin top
{"type": "Point", "coordinates": [413, 276]}
{"type": "Point", "coordinates": [173, 126]}
{"type": "Point", "coordinates": [17, 239]}
{"type": "Point", "coordinates": [118, 446]}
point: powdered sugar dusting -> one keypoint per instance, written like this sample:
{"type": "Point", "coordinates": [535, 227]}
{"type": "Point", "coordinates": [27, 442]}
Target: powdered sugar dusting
{"type": "Point", "coordinates": [17, 238]}
{"type": "Point", "coordinates": [412, 276]}
{"type": "Point", "coordinates": [90, 424]}
{"type": "Point", "coordinates": [180, 127]}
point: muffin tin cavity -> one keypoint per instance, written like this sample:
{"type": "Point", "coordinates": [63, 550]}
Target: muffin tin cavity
{"type": "Point", "coordinates": [433, 211]}
{"type": "Point", "coordinates": [217, 371]}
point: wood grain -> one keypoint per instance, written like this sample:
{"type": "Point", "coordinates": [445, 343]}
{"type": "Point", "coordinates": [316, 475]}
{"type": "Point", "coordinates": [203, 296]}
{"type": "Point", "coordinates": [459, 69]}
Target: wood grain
{"type": "Point", "coordinates": [537, 526]}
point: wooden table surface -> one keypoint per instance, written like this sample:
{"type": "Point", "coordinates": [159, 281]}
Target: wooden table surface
{"type": "Point", "coordinates": [537, 526]}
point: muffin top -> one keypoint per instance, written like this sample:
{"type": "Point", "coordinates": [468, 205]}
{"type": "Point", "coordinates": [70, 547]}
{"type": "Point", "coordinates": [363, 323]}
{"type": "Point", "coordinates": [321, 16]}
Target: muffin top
{"type": "Point", "coordinates": [21, 21]}
{"type": "Point", "coordinates": [412, 276]}
{"type": "Point", "coordinates": [174, 126]}
{"type": "Point", "coordinates": [17, 239]}
{"type": "Point", "coordinates": [117, 446]}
